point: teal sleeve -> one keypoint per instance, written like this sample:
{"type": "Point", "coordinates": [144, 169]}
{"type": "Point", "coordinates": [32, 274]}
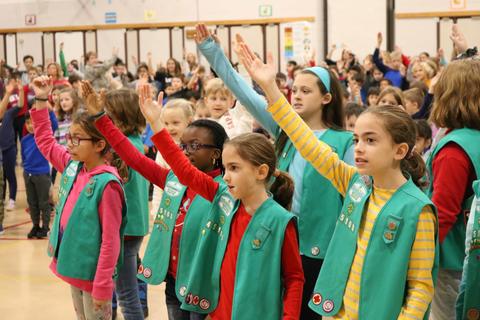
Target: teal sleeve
{"type": "Point", "coordinates": [255, 104]}
{"type": "Point", "coordinates": [63, 64]}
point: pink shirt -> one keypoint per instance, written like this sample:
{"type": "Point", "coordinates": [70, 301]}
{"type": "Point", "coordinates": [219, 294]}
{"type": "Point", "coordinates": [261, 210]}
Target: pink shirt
{"type": "Point", "coordinates": [109, 209]}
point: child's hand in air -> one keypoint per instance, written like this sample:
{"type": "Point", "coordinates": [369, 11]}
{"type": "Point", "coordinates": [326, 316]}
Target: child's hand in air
{"type": "Point", "coordinates": [93, 102]}
{"type": "Point", "coordinates": [151, 110]}
{"type": "Point", "coordinates": [203, 34]}
{"type": "Point", "coordinates": [42, 86]}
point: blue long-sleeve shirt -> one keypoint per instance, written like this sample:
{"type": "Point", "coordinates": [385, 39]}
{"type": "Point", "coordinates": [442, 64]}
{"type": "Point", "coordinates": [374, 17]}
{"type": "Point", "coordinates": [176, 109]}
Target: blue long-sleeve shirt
{"type": "Point", "coordinates": [256, 105]}
{"type": "Point", "coordinates": [7, 133]}
{"type": "Point", "coordinates": [388, 73]}
{"type": "Point", "coordinates": [33, 161]}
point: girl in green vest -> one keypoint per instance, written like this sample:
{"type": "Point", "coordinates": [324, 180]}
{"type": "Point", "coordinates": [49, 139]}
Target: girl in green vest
{"type": "Point", "coordinates": [247, 263]}
{"type": "Point", "coordinates": [453, 165]}
{"type": "Point", "coordinates": [175, 234]}
{"type": "Point", "coordinates": [317, 98]}
{"type": "Point", "coordinates": [381, 261]}
{"type": "Point", "coordinates": [122, 107]}
{"type": "Point", "coordinates": [87, 233]}
{"type": "Point", "coordinates": [468, 301]}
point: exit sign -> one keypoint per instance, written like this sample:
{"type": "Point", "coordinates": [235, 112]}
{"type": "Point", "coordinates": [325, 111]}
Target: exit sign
{"type": "Point", "coordinates": [265, 10]}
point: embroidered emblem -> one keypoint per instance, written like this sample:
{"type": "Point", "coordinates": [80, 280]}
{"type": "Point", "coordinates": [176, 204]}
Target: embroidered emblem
{"type": "Point", "coordinates": [173, 188]}
{"type": "Point", "coordinates": [315, 251]}
{"type": "Point", "coordinates": [65, 180]}
{"type": "Point", "coordinates": [388, 235]}
{"type": "Point", "coordinates": [222, 219]}
{"type": "Point", "coordinates": [147, 272]}
{"type": "Point", "coordinates": [71, 171]}
{"type": "Point", "coordinates": [189, 298]}
{"type": "Point", "coordinates": [473, 314]}
{"type": "Point", "coordinates": [350, 208]}
{"type": "Point", "coordinates": [392, 225]}
{"type": "Point", "coordinates": [89, 191]}
{"type": "Point", "coordinates": [357, 192]}
{"type": "Point", "coordinates": [226, 204]}
{"type": "Point", "coordinates": [167, 202]}
{"type": "Point", "coordinates": [317, 299]}
{"type": "Point", "coordinates": [195, 301]}
{"type": "Point", "coordinates": [140, 269]}
{"type": "Point", "coordinates": [328, 306]}
{"type": "Point", "coordinates": [91, 181]}
{"type": "Point", "coordinates": [204, 304]}
{"type": "Point", "coordinates": [256, 243]}
{"type": "Point", "coordinates": [182, 291]}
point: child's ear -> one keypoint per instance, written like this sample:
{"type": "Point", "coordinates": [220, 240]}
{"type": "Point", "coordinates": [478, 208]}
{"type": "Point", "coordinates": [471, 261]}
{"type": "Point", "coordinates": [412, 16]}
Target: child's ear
{"type": "Point", "coordinates": [327, 98]}
{"type": "Point", "coordinates": [262, 172]}
{"type": "Point", "coordinates": [428, 143]}
{"type": "Point", "coordinates": [402, 151]}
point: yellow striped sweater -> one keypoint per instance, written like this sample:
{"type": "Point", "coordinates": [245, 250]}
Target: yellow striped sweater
{"type": "Point", "coordinates": [327, 163]}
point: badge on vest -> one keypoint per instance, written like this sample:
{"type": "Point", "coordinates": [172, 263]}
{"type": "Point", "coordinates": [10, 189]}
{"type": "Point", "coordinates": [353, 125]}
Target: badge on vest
{"type": "Point", "coordinates": [473, 314]}
{"type": "Point", "coordinates": [391, 229]}
{"type": "Point", "coordinates": [226, 204]}
{"type": "Point", "coordinates": [72, 170]}
{"type": "Point", "coordinates": [90, 187]}
{"type": "Point", "coordinates": [345, 219]}
{"type": "Point", "coordinates": [260, 237]}
{"type": "Point", "coordinates": [173, 188]}
{"type": "Point", "coordinates": [357, 192]}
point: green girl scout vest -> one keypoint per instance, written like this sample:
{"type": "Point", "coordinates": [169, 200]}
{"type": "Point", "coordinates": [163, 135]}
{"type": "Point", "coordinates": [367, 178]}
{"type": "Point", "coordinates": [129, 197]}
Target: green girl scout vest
{"type": "Point", "coordinates": [136, 195]}
{"type": "Point", "coordinates": [78, 250]}
{"type": "Point", "coordinates": [154, 267]}
{"type": "Point", "coordinates": [258, 285]}
{"type": "Point", "coordinates": [317, 222]}
{"type": "Point", "coordinates": [452, 250]}
{"type": "Point", "coordinates": [468, 302]}
{"type": "Point", "coordinates": [383, 279]}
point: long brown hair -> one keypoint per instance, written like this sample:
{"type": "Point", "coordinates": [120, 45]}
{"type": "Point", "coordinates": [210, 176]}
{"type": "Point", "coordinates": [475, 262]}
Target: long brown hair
{"type": "Point", "coordinates": [85, 121]}
{"type": "Point", "coordinates": [75, 101]}
{"type": "Point", "coordinates": [332, 113]}
{"type": "Point", "coordinates": [456, 101]}
{"type": "Point", "coordinates": [398, 123]}
{"type": "Point", "coordinates": [256, 149]}
{"type": "Point", "coordinates": [122, 106]}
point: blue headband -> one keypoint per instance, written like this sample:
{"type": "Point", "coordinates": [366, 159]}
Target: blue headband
{"type": "Point", "coordinates": [323, 75]}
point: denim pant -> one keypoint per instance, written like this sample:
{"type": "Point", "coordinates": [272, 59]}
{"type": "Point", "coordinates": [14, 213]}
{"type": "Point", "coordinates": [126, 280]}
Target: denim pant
{"type": "Point", "coordinates": [173, 305]}
{"type": "Point", "coordinates": [126, 283]}
{"type": "Point", "coordinates": [38, 187]}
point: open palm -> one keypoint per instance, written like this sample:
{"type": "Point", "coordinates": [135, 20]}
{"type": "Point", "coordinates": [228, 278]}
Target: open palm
{"type": "Point", "coordinates": [151, 110]}
{"type": "Point", "coordinates": [92, 100]}
{"type": "Point", "coordinates": [202, 33]}
{"type": "Point", "coordinates": [263, 74]}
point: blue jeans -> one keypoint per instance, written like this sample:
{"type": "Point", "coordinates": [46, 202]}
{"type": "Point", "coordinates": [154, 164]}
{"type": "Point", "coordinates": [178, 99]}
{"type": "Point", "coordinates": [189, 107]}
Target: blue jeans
{"type": "Point", "coordinates": [126, 283]}
{"type": "Point", "coordinates": [173, 305]}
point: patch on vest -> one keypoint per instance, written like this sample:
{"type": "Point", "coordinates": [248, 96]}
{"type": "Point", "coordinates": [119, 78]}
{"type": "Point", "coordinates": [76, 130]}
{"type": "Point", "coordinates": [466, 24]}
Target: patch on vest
{"type": "Point", "coordinates": [173, 188]}
{"type": "Point", "coordinates": [140, 269]}
{"type": "Point", "coordinates": [72, 170]}
{"type": "Point", "coordinates": [315, 251]}
{"type": "Point", "coordinates": [189, 298]}
{"type": "Point", "coordinates": [182, 291]}
{"type": "Point", "coordinates": [317, 299]}
{"type": "Point", "coordinates": [347, 221]}
{"type": "Point", "coordinates": [195, 300]}
{"type": "Point", "coordinates": [147, 272]}
{"type": "Point", "coordinates": [204, 304]}
{"type": "Point", "coordinates": [357, 192]}
{"type": "Point", "coordinates": [226, 205]}
{"type": "Point", "coordinates": [328, 306]}
{"type": "Point", "coordinates": [473, 314]}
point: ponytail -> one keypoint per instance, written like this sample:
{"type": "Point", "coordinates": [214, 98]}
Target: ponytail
{"type": "Point", "coordinates": [414, 166]}
{"type": "Point", "coordinates": [120, 165]}
{"type": "Point", "coordinates": [282, 189]}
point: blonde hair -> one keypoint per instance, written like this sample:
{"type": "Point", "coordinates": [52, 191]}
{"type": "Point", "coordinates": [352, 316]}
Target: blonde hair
{"type": "Point", "coordinates": [429, 67]}
{"type": "Point", "coordinates": [415, 95]}
{"type": "Point", "coordinates": [216, 85]}
{"type": "Point", "coordinates": [182, 104]}
{"type": "Point", "coordinates": [456, 101]}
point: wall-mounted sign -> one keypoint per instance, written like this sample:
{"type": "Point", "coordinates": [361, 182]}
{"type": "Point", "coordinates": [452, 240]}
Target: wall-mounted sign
{"type": "Point", "coordinates": [110, 17]}
{"type": "Point", "coordinates": [265, 10]}
{"type": "Point", "coordinates": [30, 20]}
{"type": "Point", "coordinates": [458, 4]}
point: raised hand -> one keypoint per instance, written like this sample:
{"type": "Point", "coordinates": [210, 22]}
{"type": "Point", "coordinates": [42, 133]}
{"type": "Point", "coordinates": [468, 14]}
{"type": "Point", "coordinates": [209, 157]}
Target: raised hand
{"type": "Point", "coordinates": [379, 39]}
{"type": "Point", "coordinates": [458, 39]}
{"type": "Point", "coordinates": [93, 101]}
{"type": "Point", "coordinates": [42, 86]}
{"type": "Point", "coordinates": [151, 110]}
{"type": "Point", "coordinates": [203, 34]}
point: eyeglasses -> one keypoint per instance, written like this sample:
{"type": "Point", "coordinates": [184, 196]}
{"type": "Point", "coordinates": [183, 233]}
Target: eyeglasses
{"type": "Point", "coordinates": [76, 140]}
{"type": "Point", "coordinates": [194, 146]}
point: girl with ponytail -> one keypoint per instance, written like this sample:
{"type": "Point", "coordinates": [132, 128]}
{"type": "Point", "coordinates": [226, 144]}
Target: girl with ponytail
{"type": "Point", "coordinates": [248, 244]}
{"type": "Point", "coordinates": [384, 242]}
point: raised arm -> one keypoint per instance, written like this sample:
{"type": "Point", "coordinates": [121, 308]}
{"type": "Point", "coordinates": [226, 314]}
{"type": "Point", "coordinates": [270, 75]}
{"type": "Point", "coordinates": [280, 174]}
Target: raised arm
{"type": "Point", "coordinates": [318, 153]}
{"type": "Point", "coordinates": [119, 142]}
{"type": "Point", "coordinates": [56, 154]}
{"type": "Point", "coordinates": [376, 55]}
{"type": "Point", "coordinates": [254, 103]}
{"type": "Point", "coordinates": [186, 173]}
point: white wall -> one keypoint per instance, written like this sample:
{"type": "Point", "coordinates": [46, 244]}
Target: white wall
{"type": "Point", "coordinates": [416, 35]}
{"type": "Point", "coordinates": [404, 6]}
{"type": "Point", "coordinates": [355, 24]}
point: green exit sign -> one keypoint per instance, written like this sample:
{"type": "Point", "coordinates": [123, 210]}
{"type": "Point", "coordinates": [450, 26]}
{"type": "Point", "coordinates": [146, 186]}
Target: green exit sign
{"type": "Point", "coordinates": [265, 10]}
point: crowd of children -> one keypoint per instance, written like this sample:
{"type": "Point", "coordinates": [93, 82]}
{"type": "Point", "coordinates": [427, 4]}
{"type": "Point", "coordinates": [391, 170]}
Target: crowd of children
{"type": "Point", "coordinates": [340, 189]}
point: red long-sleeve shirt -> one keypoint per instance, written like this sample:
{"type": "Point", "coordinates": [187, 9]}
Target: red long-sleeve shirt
{"type": "Point", "coordinates": [153, 172]}
{"type": "Point", "coordinates": [453, 175]}
{"type": "Point", "coordinates": [206, 187]}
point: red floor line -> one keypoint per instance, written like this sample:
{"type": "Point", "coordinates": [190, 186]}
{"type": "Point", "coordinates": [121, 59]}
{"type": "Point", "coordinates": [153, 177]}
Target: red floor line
{"type": "Point", "coordinates": [16, 225]}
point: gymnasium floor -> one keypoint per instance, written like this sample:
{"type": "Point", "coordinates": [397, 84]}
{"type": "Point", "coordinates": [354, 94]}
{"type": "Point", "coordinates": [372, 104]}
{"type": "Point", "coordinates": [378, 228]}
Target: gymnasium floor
{"type": "Point", "coordinates": [28, 289]}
